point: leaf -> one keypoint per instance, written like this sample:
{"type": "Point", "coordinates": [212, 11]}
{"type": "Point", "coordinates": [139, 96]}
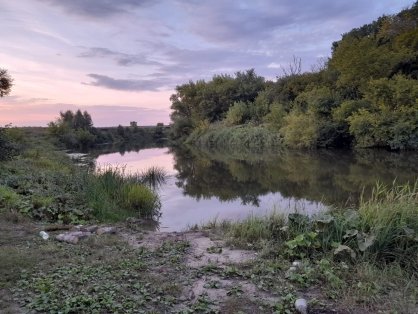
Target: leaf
{"type": "Point", "coordinates": [364, 241]}
{"type": "Point", "coordinates": [341, 249]}
{"type": "Point", "coordinates": [350, 233]}
{"type": "Point", "coordinates": [325, 219]}
{"type": "Point", "coordinates": [351, 215]}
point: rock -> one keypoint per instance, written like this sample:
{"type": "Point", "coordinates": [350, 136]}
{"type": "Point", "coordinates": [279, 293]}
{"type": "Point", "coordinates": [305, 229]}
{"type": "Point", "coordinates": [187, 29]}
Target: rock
{"type": "Point", "coordinates": [44, 235]}
{"type": "Point", "coordinates": [73, 237]}
{"type": "Point", "coordinates": [297, 264]}
{"type": "Point", "coordinates": [106, 230]}
{"type": "Point", "coordinates": [301, 305]}
{"type": "Point", "coordinates": [67, 238]}
{"type": "Point", "coordinates": [292, 268]}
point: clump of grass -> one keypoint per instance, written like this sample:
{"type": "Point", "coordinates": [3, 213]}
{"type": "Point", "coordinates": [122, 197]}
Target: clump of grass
{"type": "Point", "coordinates": [115, 194]}
{"type": "Point", "coordinates": [153, 177]}
{"type": "Point", "coordinates": [9, 199]}
{"type": "Point", "coordinates": [390, 219]}
{"type": "Point", "coordinates": [140, 198]}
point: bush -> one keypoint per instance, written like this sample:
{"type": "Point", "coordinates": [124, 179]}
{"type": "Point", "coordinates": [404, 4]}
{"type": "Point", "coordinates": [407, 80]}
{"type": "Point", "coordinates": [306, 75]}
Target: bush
{"type": "Point", "coordinates": [8, 147]}
{"type": "Point", "coordinates": [238, 113]}
{"type": "Point", "coordinates": [300, 130]}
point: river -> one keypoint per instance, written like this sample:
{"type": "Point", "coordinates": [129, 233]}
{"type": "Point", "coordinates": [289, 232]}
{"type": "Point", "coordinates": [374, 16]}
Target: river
{"type": "Point", "coordinates": [203, 186]}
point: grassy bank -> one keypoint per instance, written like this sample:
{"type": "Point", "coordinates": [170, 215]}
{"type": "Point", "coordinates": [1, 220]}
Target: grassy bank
{"type": "Point", "coordinates": [43, 183]}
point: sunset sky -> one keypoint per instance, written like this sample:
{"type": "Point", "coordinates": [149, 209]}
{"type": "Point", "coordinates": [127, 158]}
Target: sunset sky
{"type": "Point", "coordinates": [121, 59]}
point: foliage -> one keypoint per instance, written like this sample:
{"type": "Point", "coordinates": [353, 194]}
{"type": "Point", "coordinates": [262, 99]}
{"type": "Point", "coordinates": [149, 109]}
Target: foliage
{"type": "Point", "coordinates": [300, 129]}
{"type": "Point", "coordinates": [8, 146]}
{"type": "Point", "coordinates": [364, 95]}
{"type": "Point", "coordinates": [238, 113]}
{"type": "Point", "coordinates": [198, 101]}
{"type": "Point", "coordinates": [74, 129]}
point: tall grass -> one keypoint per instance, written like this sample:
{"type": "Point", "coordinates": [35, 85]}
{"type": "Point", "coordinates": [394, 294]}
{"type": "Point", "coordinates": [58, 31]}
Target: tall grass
{"type": "Point", "coordinates": [383, 229]}
{"type": "Point", "coordinates": [115, 194]}
{"type": "Point", "coordinates": [390, 217]}
{"type": "Point", "coordinates": [242, 137]}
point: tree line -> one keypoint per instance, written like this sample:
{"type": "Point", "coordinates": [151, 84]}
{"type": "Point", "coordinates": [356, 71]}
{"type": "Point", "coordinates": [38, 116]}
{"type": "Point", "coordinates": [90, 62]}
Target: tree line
{"type": "Point", "coordinates": [76, 130]}
{"type": "Point", "coordinates": [364, 95]}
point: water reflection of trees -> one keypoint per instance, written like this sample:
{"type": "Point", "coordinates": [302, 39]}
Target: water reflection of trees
{"type": "Point", "coordinates": [331, 177]}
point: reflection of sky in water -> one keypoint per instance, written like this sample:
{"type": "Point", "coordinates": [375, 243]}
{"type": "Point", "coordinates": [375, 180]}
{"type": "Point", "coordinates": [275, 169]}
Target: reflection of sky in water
{"type": "Point", "coordinates": [180, 211]}
{"type": "Point", "coordinates": [140, 161]}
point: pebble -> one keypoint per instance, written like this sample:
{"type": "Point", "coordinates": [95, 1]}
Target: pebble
{"type": "Point", "coordinates": [297, 264]}
{"type": "Point", "coordinates": [44, 235]}
{"type": "Point", "coordinates": [301, 306]}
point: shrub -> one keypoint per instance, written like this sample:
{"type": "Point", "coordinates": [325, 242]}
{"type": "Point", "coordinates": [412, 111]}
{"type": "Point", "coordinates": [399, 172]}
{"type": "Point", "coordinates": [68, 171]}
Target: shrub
{"type": "Point", "coordinates": [238, 113]}
{"type": "Point", "coordinates": [300, 129]}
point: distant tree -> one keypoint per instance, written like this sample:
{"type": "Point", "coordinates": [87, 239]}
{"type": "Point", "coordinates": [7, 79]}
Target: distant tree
{"type": "Point", "coordinates": [120, 130]}
{"type": "Point", "coordinates": [134, 126]}
{"type": "Point", "coordinates": [159, 131]}
{"type": "Point", "coordinates": [5, 83]}
{"type": "Point", "coordinates": [74, 129]}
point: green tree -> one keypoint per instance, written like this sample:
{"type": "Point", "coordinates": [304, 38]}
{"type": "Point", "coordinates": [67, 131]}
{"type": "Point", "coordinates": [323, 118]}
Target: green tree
{"type": "Point", "coordinates": [392, 118]}
{"type": "Point", "coordinates": [300, 129]}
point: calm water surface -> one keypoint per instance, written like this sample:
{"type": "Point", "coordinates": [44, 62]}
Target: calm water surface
{"type": "Point", "coordinates": [202, 186]}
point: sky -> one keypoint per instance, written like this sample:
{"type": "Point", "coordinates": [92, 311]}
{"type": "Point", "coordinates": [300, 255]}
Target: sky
{"type": "Point", "coordinates": [121, 59]}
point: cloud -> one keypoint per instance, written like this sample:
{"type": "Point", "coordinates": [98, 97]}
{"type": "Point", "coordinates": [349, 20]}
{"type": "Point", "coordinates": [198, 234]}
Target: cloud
{"type": "Point", "coordinates": [126, 85]}
{"type": "Point", "coordinates": [236, 22]}
{"type": "Point", "coordinates": [98, 8]}
{"type": "Point", "coordinates": [122, 59]}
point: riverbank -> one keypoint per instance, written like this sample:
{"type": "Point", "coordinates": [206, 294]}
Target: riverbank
{"type": "Point", "coordinates": [202, 271]}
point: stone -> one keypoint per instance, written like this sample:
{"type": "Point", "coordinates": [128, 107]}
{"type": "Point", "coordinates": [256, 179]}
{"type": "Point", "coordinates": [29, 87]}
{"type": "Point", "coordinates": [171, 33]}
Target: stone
{"type": "Point", "coordinates": [106, 230]}
{"type": "Point", "coordinates": [301, 305]}
{"type": "Point", "coordinates": [72, 237]}
{"type": "Point", "coordinates": [67, 238]}
{"type": "Point", "coordinates": [297, 264]}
